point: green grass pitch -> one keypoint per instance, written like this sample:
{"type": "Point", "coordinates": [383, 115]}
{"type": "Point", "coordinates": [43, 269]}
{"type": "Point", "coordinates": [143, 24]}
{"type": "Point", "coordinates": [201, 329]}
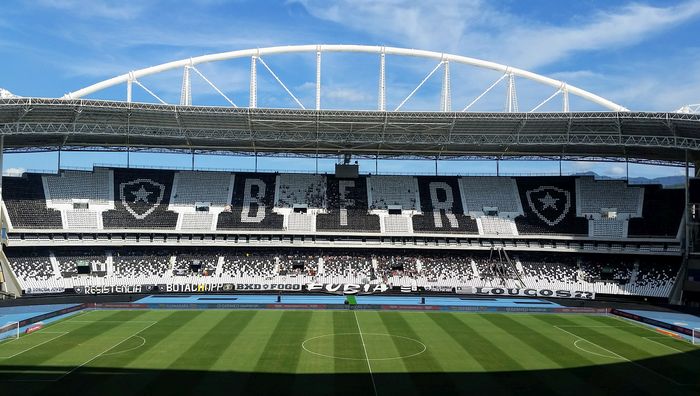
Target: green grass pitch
{"type": "Point", "coordinates": [345, 352]}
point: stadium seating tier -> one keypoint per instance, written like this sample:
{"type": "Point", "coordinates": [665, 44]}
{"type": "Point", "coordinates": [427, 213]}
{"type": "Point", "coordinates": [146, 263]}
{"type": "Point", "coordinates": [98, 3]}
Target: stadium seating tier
{"type": "Point", "coordinates": [549, 206]}
{"type": "Point", "coordinates": [661, 215]}
{"type": "Point", "coordinates": [441, 205]}
{"type": "Point", "coordinates": [252, 204]}
{"type": "Point", "coordinates": [26, 203]}
{"type": "Point", "coordinates": [192, 201]}
{"type": "Point", "coordinates": [347, 207]}
{"type": "Point", "coordinates": [141, 200]}
{"type": "Point", "coordinates": [607, 274]}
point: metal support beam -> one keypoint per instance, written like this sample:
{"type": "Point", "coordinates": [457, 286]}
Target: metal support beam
{"type": "Point", "coordinates": [318, 80]}
{"type": "Point", "coordinates": [279, 81]}
{"type": "Point", "coordinates": [676, 296]}
{"type": "Point", "coordinates": [419, 86]}
{"type": "Point", "coordinates": [378, 50]}
{"type": "Point", "coordinates": [211, 84]}
{"type": "Point", "coordinates": [2, 218]}
{"type": "Point", "coordinates": [253, 103]}
{"type": "Point", "coordinates": [446, 95]}
{"type": "Point", "coordinates": [149, 91]}
{"type": "Point", "coordinates": [106, 126]}
{"type": "Point", "coordinates": [534, 109]}
{"type": "Point", "coordinates": [186, 90]}
{"type": "Point", "coordinates": [382, 82]}
{"type": "Point", "coordinates": [560, 160]}
{"type": "Point", "coordinates": [484, 93]}
{"type": "Point", "coordinates": [129, 89]}
{"type": "Point", "coordinates": [687, 212]}
{"type": "Point", "coordinates": [512, 97]}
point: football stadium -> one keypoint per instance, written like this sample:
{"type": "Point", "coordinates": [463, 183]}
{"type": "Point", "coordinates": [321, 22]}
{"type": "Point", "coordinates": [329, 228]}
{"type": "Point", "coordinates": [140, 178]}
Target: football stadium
{"type": "Point", "coordinates": [121, 279]}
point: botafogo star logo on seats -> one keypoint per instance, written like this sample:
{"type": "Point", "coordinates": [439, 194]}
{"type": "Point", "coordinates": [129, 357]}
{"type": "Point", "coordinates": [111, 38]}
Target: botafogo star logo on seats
{"type": "Point", "coordinates": [550, 204]}
{"type": "Point", "coordinates": [141, 197]}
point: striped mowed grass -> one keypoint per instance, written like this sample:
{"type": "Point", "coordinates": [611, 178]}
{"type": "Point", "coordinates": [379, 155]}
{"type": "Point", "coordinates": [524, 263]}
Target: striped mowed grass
{"type": "Point", "coordinates": [345, 352]}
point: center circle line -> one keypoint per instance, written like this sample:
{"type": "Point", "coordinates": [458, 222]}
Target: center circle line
{"type": "Point", "coordinates": [304, 347]}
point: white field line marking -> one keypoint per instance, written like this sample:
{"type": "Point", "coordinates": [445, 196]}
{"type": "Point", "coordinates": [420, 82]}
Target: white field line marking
{"type": "Point", "coordinates": [593, 353]}
{"type": "Point", "coordinates": [622, 357]}
{"type": "Point", "coordinates": [635, 324]}
{"type": "Point", "coordinates": [75, 314]}
{"type": "Point", "coordinates": [6, 340]}
{"type": "Point", "coordinates": [612, 355]}
{"type": "Point", "coordinates": [661, 343]}
{"type": "Point", "coordinates": [60, 334]}
{"type": "Point", "coordinates": [108, 321]}
{"type": "Point", "coordinates": [27, 335]}
{"type": "Point", "coordinates": [105, 351]}
{"type": "Point", "coordinates": [54, 324]}
{"type": "Point", "coordinates": [303, 346]}
{"type": "Point", "coordinates": [369, 365]}
{"type": "Point", "coordinates": [143, 342]}
{"type": "Point", "coordinates": [594, 326]}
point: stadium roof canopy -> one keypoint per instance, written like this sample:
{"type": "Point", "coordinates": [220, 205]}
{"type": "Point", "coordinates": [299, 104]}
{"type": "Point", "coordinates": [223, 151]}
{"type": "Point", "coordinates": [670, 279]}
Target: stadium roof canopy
{"type": "Point", "coordinates": [75, 123]}
{"type": "Point", "coordinates": [29, 124]}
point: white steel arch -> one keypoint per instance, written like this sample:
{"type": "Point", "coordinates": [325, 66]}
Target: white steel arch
{"type": "Point", "coordinates": [690, 109]}
{"type": "Point", "coordinates": [444, 59]}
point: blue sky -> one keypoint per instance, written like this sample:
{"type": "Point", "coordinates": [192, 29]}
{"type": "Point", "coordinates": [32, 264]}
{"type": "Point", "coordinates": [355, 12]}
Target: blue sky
{"type": "Point", "coordinates": [643, 55]}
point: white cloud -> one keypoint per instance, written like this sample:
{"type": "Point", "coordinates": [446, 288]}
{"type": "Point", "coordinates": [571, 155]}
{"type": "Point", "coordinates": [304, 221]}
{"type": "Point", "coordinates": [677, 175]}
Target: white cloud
{"type": "Point", "coordinates": [94, 68]}
{"type": "Point", "coordinates": [109, 9]}
{"type": "Point", "coordinates": [347, 94]}
{"type": "Point", "coordinates": [617, 170]}
{"type": "Point", "coordinates": [572, 75]}
{"type": "Point", "coordinates": [534, 46]}
{"type": "Point", "coordinates": [127, 40]}
{"type": "Point", "coordinates": [417, 24]}
{"type": "Point", "coordinates": [663, 84]}
{"type": "Point", "coordinates": [475, 27]}
{"type": "Point", "coordinates": [484, 30]}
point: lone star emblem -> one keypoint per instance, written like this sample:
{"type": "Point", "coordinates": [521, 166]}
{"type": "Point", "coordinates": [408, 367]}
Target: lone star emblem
{"type": "Point", "coordinates": [141, 195]}
{"type": "Point", "coordinates": [548, 202]}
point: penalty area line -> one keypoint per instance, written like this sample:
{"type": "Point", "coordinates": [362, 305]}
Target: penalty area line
{"type": "Point", "coordinates": [661, 343]}
{"type": "Point", "coordinates": [24, 336]}
{"type": "Point", "coordinates": [617, 355]}
{"type": "Point", "coordinates": [103, 352]}
{"type": "Point", "coordinates": [651, 329]}
{"type": "Point", "coordinates": [60, 334]}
